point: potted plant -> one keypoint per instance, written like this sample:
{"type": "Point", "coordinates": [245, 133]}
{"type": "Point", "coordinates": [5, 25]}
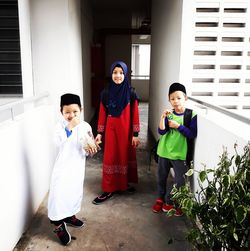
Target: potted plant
{"type": "Point", "coordinates": [220, 210]}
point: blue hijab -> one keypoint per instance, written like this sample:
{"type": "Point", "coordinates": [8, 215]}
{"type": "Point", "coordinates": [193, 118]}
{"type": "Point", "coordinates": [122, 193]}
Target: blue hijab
{"type": "Point", "coordinates": [118, 94]}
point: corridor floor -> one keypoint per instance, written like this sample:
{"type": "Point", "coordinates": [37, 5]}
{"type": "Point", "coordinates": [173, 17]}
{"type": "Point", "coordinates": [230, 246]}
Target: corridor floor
{"type": "Point", "coordinates": [126, 222]}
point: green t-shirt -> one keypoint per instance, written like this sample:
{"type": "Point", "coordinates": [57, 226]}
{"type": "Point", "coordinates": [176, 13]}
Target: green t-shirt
{"type": "Point", "coordinates": [173, 144]}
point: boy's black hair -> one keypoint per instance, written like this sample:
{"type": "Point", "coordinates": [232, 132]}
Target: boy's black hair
{"type": "Point", "coordinates": [69, 99]}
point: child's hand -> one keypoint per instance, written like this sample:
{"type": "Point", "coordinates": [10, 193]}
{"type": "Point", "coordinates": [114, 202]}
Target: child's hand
{"type": "Point", "coordinates": [91, 150]}
{"type": "Point", "coordinates": [166, 113]}
{"type": "Point", "coordinates": [98, 139]}
{"type": "Point", "coordinates": [135, 141]}
{"type": "Point", "coordinates": [73, 122]}
{"type": "Point", "coordinates": [173, 124]}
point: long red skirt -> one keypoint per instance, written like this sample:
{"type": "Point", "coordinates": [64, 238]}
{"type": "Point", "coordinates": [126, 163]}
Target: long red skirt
{"type": "Point", "coordinates": [119, 161]}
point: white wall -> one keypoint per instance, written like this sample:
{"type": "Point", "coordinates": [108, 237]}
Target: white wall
{"type": "Point", "coordinates": [186, 57]}
{"type": "Point", "coordinates": [216, 131]}
{"type": "Point", "coordinates": [51, 51]}
{"type": "Point", "coordinates": [27, 156]}
{"type": "Point", "coordinates": [26, 48]}
{"type": "Point", "coordinates": [56, 47]}
{"type": "Point", "coordinates": [165, 56]}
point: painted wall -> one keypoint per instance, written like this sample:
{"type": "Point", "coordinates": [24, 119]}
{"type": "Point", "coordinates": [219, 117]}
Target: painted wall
{"type": "Point", "coordinates": [215, 132]}
{"type": "Point", "coordinates": [56, 47]}
{"type": "Point", "coordinates": [26, 47]}
{"type": "Point", "coordinates": [51, 50]}
{"type": "Point", "coordinates": [27, 157]}
{"type": "Point", "coordinates": [165, 56]}
{"type": "Point", "coordinates": [186, 57]}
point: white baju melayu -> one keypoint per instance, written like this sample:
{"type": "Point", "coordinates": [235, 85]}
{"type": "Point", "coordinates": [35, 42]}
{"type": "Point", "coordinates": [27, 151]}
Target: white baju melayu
{"type": "Point", "coordinates": [66, 187]}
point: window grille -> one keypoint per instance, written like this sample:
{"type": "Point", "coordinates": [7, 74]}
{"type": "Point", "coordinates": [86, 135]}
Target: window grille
{"type": "Point", "coordinates": [221, 53]}
{"type": "Point", "coordinates": [10, 59]}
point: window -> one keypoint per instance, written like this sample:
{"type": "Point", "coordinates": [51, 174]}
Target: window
{"type": "Point", "coordinates": [140, 61]}
{"type": "Point", "coordinates": [10, 60]}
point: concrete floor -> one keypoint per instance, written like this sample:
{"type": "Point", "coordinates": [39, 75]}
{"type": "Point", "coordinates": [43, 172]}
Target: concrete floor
{"type": "Point", "coordinates": [126, 222]}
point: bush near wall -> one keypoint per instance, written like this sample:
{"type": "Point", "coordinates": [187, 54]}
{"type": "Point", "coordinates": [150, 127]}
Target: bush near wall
{"type": "Point", "coordinates": [220, 210]}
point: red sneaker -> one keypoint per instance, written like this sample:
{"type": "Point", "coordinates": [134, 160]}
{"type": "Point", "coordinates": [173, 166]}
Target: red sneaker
{"type": "Point", "coordinates": [178, 212]}
{"type": "Point", "coordinates": [157, 207]}
{"type": "Point", "coordinates": [167, 207]}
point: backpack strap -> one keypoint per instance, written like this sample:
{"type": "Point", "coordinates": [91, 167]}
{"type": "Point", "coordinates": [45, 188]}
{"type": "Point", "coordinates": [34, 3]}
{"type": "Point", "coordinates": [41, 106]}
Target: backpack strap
{"type": "Point", "coordinates": [187, 117]}
{"type": "Point", "coordinates": [190, 142]}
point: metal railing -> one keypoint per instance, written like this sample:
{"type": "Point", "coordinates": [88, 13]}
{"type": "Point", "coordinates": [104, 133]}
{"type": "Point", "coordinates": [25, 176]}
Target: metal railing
{"type": "Point", "coordinates": [222, 110]}
{"type": "Point", "coordinates": [20, 103]}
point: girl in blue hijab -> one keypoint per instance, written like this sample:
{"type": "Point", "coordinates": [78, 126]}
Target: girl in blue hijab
{"type": "Point", "coordinates": [119, 120]}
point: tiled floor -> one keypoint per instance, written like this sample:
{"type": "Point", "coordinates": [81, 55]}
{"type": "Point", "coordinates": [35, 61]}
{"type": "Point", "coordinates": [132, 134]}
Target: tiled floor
{"type": "Point", "coordinates": [124, 223]}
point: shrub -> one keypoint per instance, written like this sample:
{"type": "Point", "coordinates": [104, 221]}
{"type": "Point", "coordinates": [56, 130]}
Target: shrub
{"type": "Point", "coordinates": [220, 210]}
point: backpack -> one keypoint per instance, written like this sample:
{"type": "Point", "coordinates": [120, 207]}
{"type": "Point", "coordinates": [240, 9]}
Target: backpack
{"type": "Point", "coordinates": [190, 142]}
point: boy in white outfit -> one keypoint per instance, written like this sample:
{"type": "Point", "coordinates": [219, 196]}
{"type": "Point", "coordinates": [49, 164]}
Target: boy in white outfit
{"type": "Point", "coordinates": [66, 188]}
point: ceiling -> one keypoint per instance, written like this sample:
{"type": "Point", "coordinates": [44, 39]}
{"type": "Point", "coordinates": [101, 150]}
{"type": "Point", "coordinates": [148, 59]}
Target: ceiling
{"type": "Point", "coordinates": [138, 12]}
{"type": "Point", "coordinates": [121, 4]}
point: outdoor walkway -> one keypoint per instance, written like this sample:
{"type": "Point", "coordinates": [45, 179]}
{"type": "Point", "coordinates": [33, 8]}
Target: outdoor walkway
{"type": "Point", "coordinates": [126, 222]}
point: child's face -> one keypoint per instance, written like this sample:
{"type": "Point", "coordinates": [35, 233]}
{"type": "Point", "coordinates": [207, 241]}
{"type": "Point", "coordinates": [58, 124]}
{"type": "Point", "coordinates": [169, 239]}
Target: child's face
{"type": "Point", "coordinates": [71, 111]}
{"type": "Point", "coordinates": [118, 75]}
{"type": "Point", "coordinates": [177, 99]}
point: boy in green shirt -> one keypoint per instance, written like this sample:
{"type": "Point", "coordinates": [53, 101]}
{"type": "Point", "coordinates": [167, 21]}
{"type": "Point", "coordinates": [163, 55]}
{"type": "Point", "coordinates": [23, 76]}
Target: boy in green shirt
{"type": "Point", "coordinates": [173, 146]}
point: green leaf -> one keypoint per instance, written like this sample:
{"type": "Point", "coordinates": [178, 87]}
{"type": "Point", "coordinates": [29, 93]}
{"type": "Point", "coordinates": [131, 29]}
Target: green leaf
{"type": "Point", "coordinates": [174, 189]}
{"type": "Point", "coordinates": [170, 241]}
{"type": "Point", "coordinates": [235, 236]}
{"type": "Point", "coordinates": [235, 196]}
{"type": "Point", "coordinates": [189, 172]}
{"type": "Point", "coordinates": [237, 160]}
{"type": "Point", "coordinates": [210, 170]}
{"type": "Point", "coordinates": [248, 196]}
{"type": "Point", "coordinates": [240, 213]}
{"type": "Point", "coordinates": [202, 176]}
{"type": "Point", "coordinates": [226, 181]}
{"type": "Point", "coordinates": [171, 212]}
{"type": "Point", "coordinates": [248, 176]}
{"type": "Point", "coordinates": [241, 189]}
{"type": "Point", "coordinates": [175, 195]}
{"type": "Point", "coordinates": [212, 200]}
{"type": "Point", "coordinates": [188, 204]}
{"type": "Point", "coordinates": [209, 192]}
{"type": "Point", "coordinates": [226, 201]}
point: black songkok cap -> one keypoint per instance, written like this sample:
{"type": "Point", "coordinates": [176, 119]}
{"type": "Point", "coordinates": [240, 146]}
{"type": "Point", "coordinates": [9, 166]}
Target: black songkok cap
{"type": "Point", "coordinates": [69, 99]}
{"type": "Point", "coordinates": [176, 87]}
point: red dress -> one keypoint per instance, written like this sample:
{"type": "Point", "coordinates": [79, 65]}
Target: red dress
{"type": "Point", "coordinates": [119, 161]}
